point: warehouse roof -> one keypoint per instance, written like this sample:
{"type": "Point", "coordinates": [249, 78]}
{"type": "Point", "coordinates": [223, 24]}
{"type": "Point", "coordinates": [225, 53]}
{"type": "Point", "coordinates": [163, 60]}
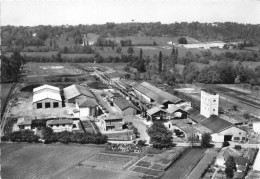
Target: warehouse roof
{"type": "Point", "coordinates": [123, 104]}
{"type": "Point", "coordinates": [76, 90]}
{"type": "Point", "coordinates": [46, 94]}
{"type": "Point", "coordinates": [60, 121]}
{"type": "Point", "coordinates": [216, 124]}
{"type": "Point", "coordinates": [165, 95]}
{"type": "Point", "coordinates": [46, 87]}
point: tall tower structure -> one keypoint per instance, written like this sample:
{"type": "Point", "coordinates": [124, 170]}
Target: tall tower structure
{"type": "Point", "coordinates": [209, 103]}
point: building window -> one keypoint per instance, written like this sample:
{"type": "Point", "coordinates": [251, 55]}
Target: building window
{"type": "Point", "coordinates": [55, 105]}
{"type": "Point", "coordinates": [47, 105]}
{"type": "Point", "coordinates": [243, 138]}
{"type": "Point", "coordinates": [214, 100]}
{"type": "Point", "coordinates": [213, 109]}
{"type": "Point", "coordinates": [236, 138]}
{"type": "Point", "coordinates": [239, 133]}
{"type": "Point", "coordinates": [63, 125]}
{"type": "Point", "coordinates": [39, 105]}
{"type": "Point", "coordinates": [57, 125]}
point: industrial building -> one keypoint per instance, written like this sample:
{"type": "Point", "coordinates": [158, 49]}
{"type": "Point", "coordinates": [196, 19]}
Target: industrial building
{"type": "Point", "coordinates": [46, 96]}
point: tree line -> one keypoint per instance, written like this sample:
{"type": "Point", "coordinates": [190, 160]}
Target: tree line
{"type": "Point", "coordinates": [227, 31]}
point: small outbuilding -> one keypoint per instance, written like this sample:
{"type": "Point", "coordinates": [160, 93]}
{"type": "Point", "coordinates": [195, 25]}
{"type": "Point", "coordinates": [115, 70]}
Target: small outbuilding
{"type": "Point", "coordinates": [60, 125]}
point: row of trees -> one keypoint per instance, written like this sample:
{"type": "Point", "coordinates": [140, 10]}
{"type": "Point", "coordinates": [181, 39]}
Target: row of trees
{"type": "Point", "coordinates": [222, 72]}
{"type": "Point", "coordinates": [11, 67]}
{"type": "Point", "coordinates": [202, 31]}
{"type": "Point", "coordinates": [68, 137]}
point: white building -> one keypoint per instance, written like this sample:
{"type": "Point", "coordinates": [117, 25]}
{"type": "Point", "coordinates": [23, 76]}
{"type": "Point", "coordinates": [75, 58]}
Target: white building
{"type": "Point", "coordinates": [209, 103]}
{"type": "Point", "coordinates": [46, 96]}
{"type": "Point", "coordinates": [60, 125]}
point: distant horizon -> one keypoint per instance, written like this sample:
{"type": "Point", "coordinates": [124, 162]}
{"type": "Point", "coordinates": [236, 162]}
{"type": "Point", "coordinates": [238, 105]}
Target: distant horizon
{"type": "Point", "coordinates": [127, 23]}
{"type": "Point", "coordinates": [91, 12]}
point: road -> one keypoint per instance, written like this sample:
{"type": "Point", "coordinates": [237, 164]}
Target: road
{"type": "Point", "coordinates": [138, 123]}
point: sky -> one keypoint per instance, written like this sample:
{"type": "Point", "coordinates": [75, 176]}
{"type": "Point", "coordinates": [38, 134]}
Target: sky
{"type": "Point", "coordinates": [74, 12]}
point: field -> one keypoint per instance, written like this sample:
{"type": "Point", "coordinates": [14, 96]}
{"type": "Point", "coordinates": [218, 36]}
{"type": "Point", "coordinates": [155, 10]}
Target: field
{"type": "Point", "coordinates": [112, 161]}
{"type": "Point", "coordinates": [181, 168]}
{"type": "Point", "coordinates": [41, 161]}
{"type": "Point", "coordinates": [156, 164]}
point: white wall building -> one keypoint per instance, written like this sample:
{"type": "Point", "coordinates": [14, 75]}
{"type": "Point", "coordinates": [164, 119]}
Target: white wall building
{"type": "Point", "coordinates": [60, 125]}
{"type": "Point", "coordinates": [209, 103]}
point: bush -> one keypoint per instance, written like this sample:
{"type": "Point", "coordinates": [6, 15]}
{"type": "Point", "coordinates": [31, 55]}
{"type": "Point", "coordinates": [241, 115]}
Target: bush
{"type": "Point", "coordinates": [238, 147]}
{"type": "Point", "coordinates": [141, 143]}
{"type": "Point", "coordinates": [23, 136]}
{"type": "Point", "coordinates": [225, 144]}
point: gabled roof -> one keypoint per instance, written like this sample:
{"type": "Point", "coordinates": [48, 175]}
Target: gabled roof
{"type": "Point", "coordinates": [86, 102]}
{"type": "Point", "coordinates": [155, 110]}
{"type": "Point", "coordinates": [216, 124]}
{"type": "Point", "coordinates": [76, 90]}
{"type": "Point", "coordinates": [46, 94]}
{"type": "Point", "coordinates": [158, 95]}
{"type": "Point", "coordinates": [113, 117]}
{"type": "Point", "coordinates": [123, 104]}
{"type": "Point", "coordinates": [60, 121]}
{"type": "Point", "coordinates": [25, 122]}
{"type": "Point", "coordinates": [165, 95]}
{"type": "Point", "coordinates": [46, 87]}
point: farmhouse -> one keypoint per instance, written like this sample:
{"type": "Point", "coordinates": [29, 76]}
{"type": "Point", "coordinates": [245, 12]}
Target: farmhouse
{"type": "Point", "coordinates": [73, 92]}
{"type": "Point", "coordinates": [46, 96]}
{"type": "Point", "coordinates": [156, 113]}
{"type": "Point", "coordinates": [125, 107]}
{"type": "Point", "coordinates": [112, 122]}
{"type": "Point", "coordinates": [60, 125]}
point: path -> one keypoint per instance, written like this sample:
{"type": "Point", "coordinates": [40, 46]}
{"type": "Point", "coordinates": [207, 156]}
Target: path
{"type": "Point", "coordinates": [141, 127]}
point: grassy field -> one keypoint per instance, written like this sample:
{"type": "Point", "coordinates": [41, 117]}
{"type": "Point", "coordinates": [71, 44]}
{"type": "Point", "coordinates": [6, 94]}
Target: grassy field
{"type": "Point", "coordinates": [184, 164]}
{"type": "Point", "coordinates": [41, 161]}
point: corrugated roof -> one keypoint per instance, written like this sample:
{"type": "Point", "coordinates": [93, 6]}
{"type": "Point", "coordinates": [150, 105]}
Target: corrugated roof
{"type": "Point", "coordinates": [167, 96]}
{"type": "Point", "coordinates": [216, 124]}
{"type": "Point", "coordinates": [46, 87]}
{"type": "Point", "coordinates": [76, 90]}
{"type": "Point", "coordinates": [123, 104]}
{"type": "Point", "coordinates": [155, 110]}
{"type": "Point", "coordinates": [46, 94]}
{"type": "Point", "coordinates": [147, 92]}
{"type": "Point", "coordinates": [60, 121]}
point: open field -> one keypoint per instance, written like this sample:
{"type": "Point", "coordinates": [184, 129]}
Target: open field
{"type": "Point", "coordinates": [181, 168]}
{"type": "Point", "coordinates": [41, 161]}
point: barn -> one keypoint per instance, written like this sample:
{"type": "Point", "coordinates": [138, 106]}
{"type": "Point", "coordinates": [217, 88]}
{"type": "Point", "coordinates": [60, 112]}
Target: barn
{"type": "Point", "coordinates": [46, 96]}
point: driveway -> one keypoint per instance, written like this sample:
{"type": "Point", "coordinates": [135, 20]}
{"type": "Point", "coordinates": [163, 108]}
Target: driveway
{"type": "Point", "coordinates": [139, 124]}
